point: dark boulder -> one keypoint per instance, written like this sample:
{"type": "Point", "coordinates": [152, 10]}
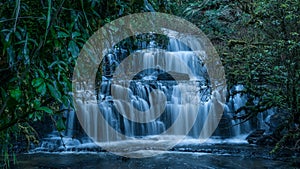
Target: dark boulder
{"type": "Point", "coordinates": [253, 137]}
{"type": "Point", "coordinates": [173, 76]}
{"type": "Point", "coordinates": [266, 140]}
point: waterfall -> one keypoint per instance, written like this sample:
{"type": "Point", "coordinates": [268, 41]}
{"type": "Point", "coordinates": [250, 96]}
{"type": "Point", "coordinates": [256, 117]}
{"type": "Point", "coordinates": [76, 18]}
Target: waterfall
{"type": "Point", "coordinates": [139, 90]}
{"type": "Point", "coordinates": [131, 112]}
{"type": "Point", "coordinates": [238, 101]}
{"type": "Point", "coordinates": [192, 92]}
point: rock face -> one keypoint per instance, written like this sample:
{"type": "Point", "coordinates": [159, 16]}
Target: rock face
{"type": "Point", "coordinates": [269, 135]}
{"type": "Point", "coordinates": [268, 140]}
{"type": "Point", "coordinates": [172, 76]}
{"type": "Point", "coordinates": [224, 127]}
{"type": "Point", "coordinates": [157, 74]}
{"type": "Point", "coordinates": [253, 137]}
{"type": "Point", "coordinates": [259, 137]}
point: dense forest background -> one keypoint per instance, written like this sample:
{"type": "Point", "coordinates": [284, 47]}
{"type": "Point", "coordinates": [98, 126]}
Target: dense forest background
{"type": "Point", "coordinates": [258, 42]}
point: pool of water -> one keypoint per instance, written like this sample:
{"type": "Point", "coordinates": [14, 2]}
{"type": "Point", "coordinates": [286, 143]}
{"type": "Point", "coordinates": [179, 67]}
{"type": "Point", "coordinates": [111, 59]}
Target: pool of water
{"type": "Point", "coordinates": [173, 159]}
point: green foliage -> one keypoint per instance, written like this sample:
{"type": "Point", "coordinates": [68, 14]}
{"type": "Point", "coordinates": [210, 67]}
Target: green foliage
{"type": "Point", "coordinates": [40, 41]}
{"type": "Point", "coordinates": [258, 41]}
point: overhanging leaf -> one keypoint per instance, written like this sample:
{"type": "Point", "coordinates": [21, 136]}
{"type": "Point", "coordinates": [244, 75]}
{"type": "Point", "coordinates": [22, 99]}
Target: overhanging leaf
{"type": "Point", "coordinates": [73, 48]}
{"type": "Point", "coordinates": [37, 82]}
{"type": "Point", "coordinates": [45, 109]}
{"type": "Point", "coordinates": [62, 35]}
{"type": "Point", "coordinates": [60, 126]}
{"type": "Point", "coordinates": [16, 94]}
{"type": "Point", "coordinates": [42, 88]}
{"type": "Point", "coordinates": [54, 92]}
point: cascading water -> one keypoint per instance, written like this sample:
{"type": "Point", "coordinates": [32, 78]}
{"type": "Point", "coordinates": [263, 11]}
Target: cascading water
{"type": "Point", "coordinates": [143, 84]}
{"type": "Point", "coordinates": [137, 97]}
{"type": "Point", "coordinates": [236, 102]}
{"type": "Point", "coordinates": [151, 79]}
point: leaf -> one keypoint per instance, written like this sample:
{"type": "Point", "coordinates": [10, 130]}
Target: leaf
{"type": "Point", "coordinates": [41, 73]}
{"type": "Point", "coordinates": [45, 109]}
{"type": "Point", "coordinates": [31, 115]}
{"type": "Point", "coordinates": [3, 93]}
{"type": "Point", "coordinates": [18, 35]}
{"type": "Point", "coordinates": [73, 48]}
{"type": "Point", "coordinates": [42, 88]}
{"type": "Point", "coordinates": [33, 41]}
{"type": "Point", "coordinates": [57, 63]}
{"type": "Point", "coordinates": [65, 101]}
{"type": "Point", "coordinates": [48, 19]}
{"type": "Point", "coordinates": [75, 34]}
{"type": "Point", "coordinates": [62, 35]}
{"type": "Point", "coordinates": [8, 37]}
{"type": "Point", "coordinates": [60, 126]}
{"type": "Point", "coordinates": [49, 14]}
{"type": "Point", "coordinates": [17, 11]}
{"type": "Point", "coordinates": [37, 116]}
{"type": "Point", "coordinates": [25, 51]}
{"type": "Point", "coordinates": [36, 104]}
{"type": "Point", "coordinates": [37, 82]}
{"type": "Point", "coordinates": [16, 94]}
{"type": "Point", "coordinates": [54, 92]}
{"type": "Point", "coordinates": [11, 56]}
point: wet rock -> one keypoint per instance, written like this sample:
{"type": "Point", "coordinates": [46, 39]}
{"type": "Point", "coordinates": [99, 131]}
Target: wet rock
{"type": "Point", "coordinates": [276, 120]}
{"type": "Point", "coordinates": [173, 76]}
{"type": "Point", "coordinates": [272, 134]}
{"type": "Point", "coordinates": [253, 137]}
{"type": "Point", "coordinates": [268, 140]}
{"type": "Point", "coordinates": [44, 126]}
{"type": "Point", "coordinates": [224, 127]}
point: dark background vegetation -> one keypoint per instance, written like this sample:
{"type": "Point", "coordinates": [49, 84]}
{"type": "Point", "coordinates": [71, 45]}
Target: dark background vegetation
{"type": "Point", "coordinates": [258, 42]}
